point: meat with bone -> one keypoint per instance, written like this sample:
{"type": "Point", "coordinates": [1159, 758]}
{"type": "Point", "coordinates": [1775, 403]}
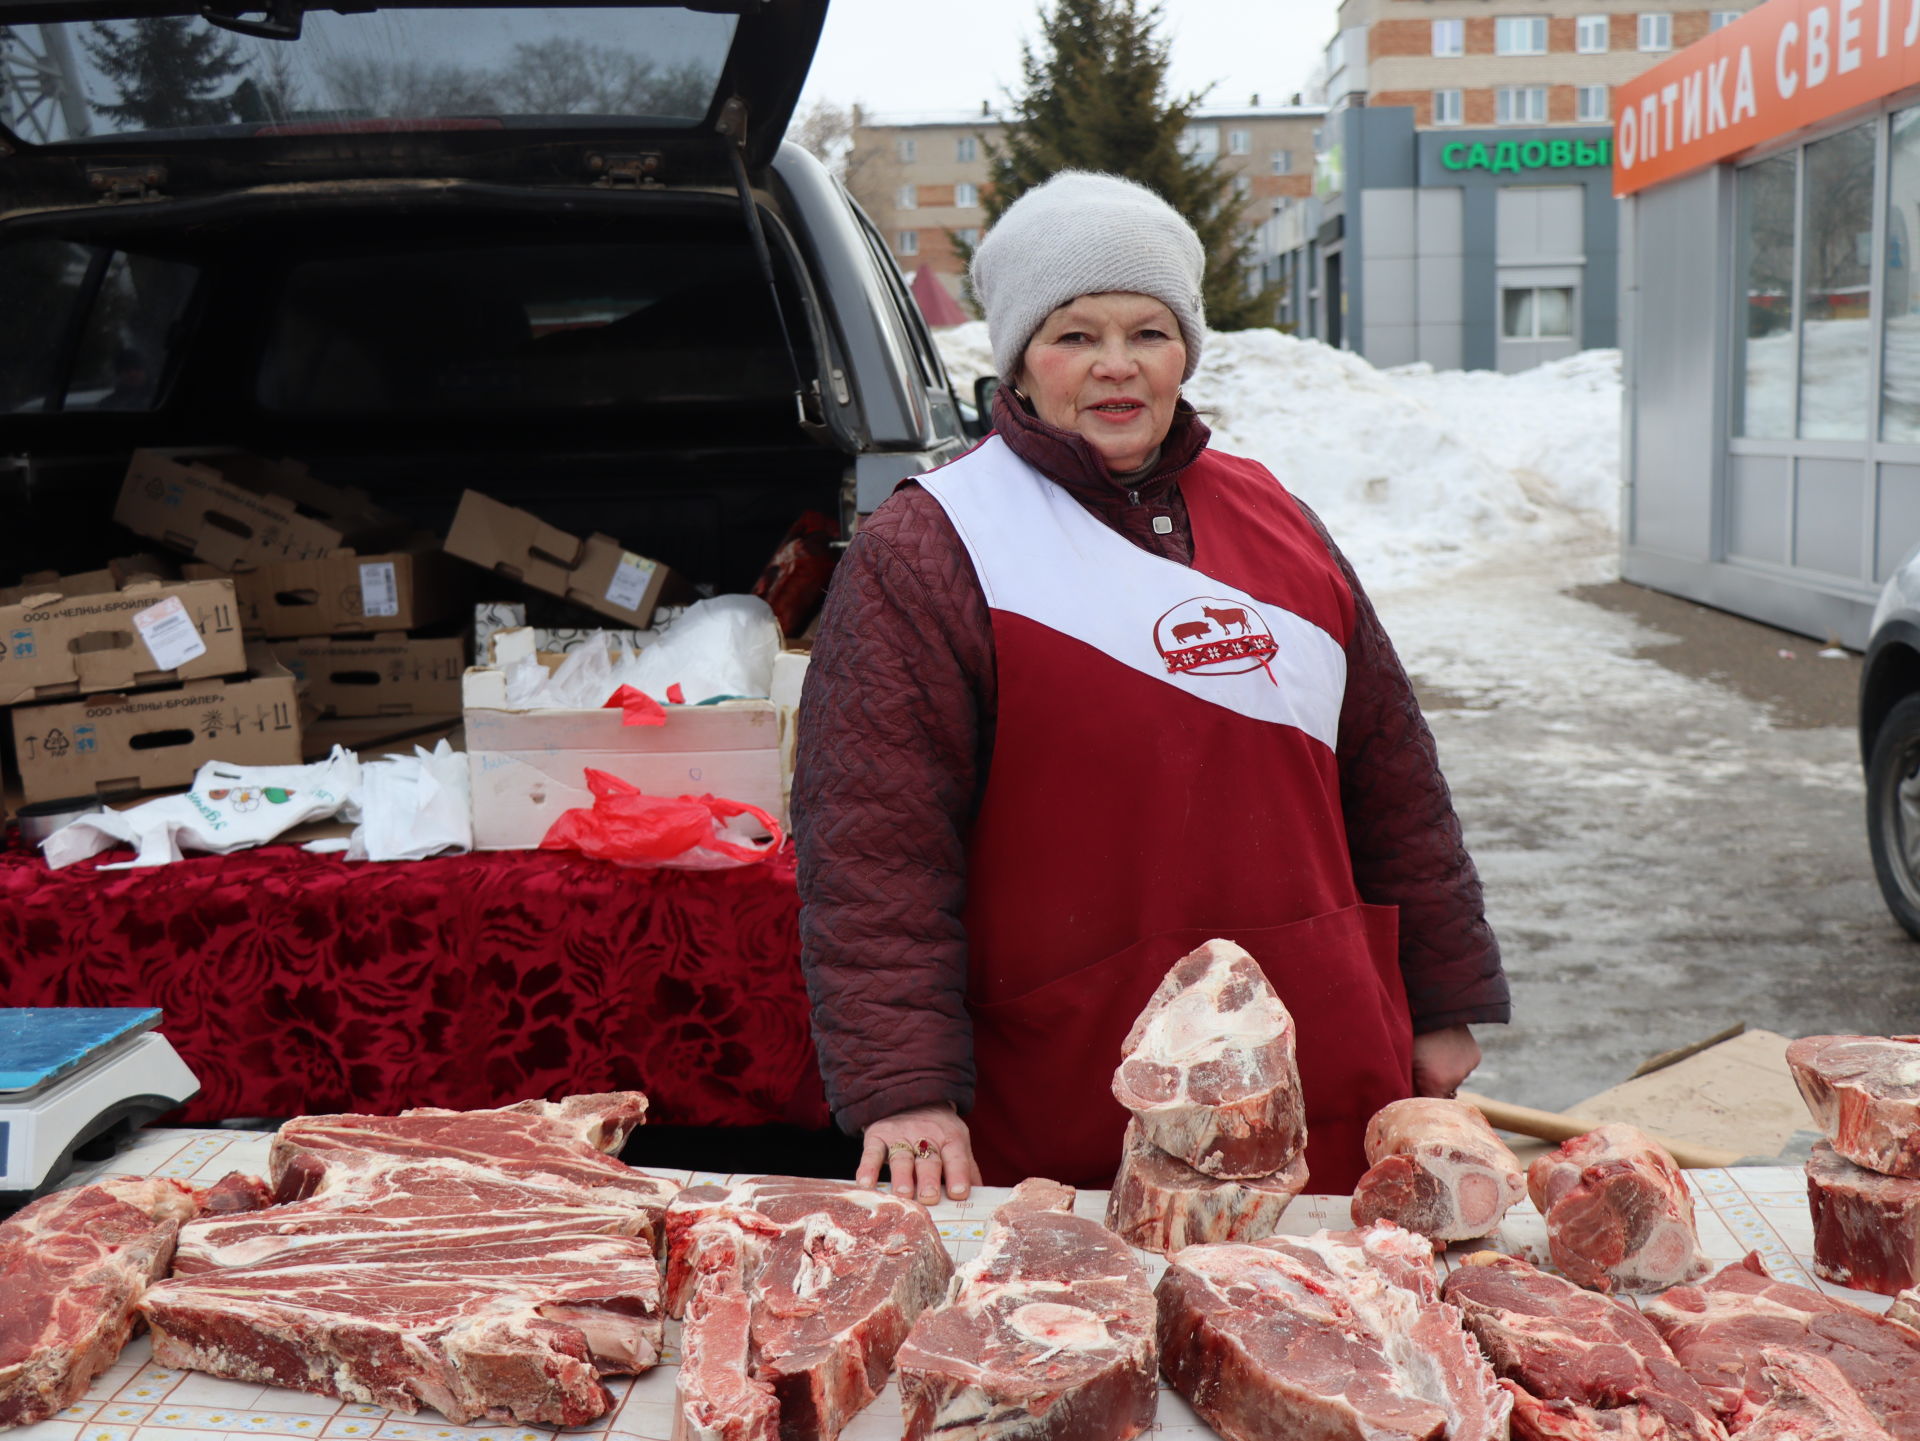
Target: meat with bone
{"type": "Point", "coordinates": [568, 1140]}
{"type": "Point", "coordinates": [521, 1338]}
{"type": "Point", "coordinates": [1579, 1365]}
{"type": "Point", "coordinates": [1047, 1335]}
{"type": "Point", "coordinates": [1812, 1401]}
{"type": "Point", "coordinates": [1718, 1329]}
{"type": "Point", "coordinates": [73, 1266]}
{"type": "Point", "coordinates": [1864, 1093]}
{"type": "Point", "coordinates": [1160, 1204]}
{"type": "Point", "coordinates": [1338, 1334]}
{"type": "Point", "coordinates": [1208, 1068]}
{"type": "Point", "coordinates": [1436, 1167]}
{"type": "Point", "coordinates": [842, 1273]}
{"type": "Point", "coordinates": [1619, 1215]}
{"type": "Point", "coordinates": [717, 1398]}
{"type": "Point", "coordinates": [1866, 1226]}
{"type": "Point", "coordinates": [1906, 1307]}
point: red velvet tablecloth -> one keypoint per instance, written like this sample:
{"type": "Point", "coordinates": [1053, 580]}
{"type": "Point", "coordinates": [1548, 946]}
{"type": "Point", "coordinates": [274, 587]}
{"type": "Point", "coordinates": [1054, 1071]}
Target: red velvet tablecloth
{"type": "Point", "coordinates": [299, 984]}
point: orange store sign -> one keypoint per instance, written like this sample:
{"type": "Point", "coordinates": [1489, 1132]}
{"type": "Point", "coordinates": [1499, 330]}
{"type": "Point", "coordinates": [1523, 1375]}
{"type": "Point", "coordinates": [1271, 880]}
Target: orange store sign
{"type": "Point", "coordinates": [1778, 68]}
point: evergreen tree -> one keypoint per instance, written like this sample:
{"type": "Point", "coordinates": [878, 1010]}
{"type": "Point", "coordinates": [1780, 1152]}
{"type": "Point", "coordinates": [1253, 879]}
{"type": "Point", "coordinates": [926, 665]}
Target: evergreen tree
{"type": "Point", "coordinates": [1093, 96]}
{"type": "Point", "coordinates": [167, 72]}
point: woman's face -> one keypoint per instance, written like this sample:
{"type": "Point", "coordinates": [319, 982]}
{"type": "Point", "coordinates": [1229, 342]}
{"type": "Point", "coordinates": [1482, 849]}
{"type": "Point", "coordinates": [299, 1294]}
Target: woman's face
{"type": "Point", "coordinates": [1109, 367]}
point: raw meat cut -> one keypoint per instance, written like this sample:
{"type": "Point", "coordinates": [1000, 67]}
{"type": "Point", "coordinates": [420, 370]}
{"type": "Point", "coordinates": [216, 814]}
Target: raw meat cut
{"type": "Point", "coordinates": [717, 1398]}
{"type": "Point", "coordinates": [1338, 1334]}
{"type": "Point", "coordinates": [1209, 1070]}
{"type": "Point", "coordinates": [567, 1140]}
{"type": "Point", "coordinates": [1160, 1204]}
{"type": "Point", "coordinates": [1906, 1307]}
{"type": "Point", "coordinates": [840, 1273]}
{"type": "Point", "coordinates": [367, 1205]}
{"type": "Point", "coordinates": [1619, 1215]}
{"type": "Point", "coordinates": [1580, 1365]}
{"type": "Point", "coordinates": [73, 1265]}
{"type": "Point", "coordinates": [1717, 1329]}
{"type": "Point", "coordinates": [235, 1192]}
{"type": "Point", "coordinates": [522, 1339]}
{"type": "Point", "coordinates": [1866, 1226]}
{"type": "Point", "coordinates": [1864, 1092]}
{"type": "Point", "coordinates": [1812, 1401]}
{"type": "Point", "coordinates": [1046, 1335]}
{"type": "Point", "coordinates": [1436, 1167]}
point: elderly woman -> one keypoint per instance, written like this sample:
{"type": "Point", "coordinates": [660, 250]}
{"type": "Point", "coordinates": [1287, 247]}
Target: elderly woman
{"type": "Point", "coordinates": [1084, 698]}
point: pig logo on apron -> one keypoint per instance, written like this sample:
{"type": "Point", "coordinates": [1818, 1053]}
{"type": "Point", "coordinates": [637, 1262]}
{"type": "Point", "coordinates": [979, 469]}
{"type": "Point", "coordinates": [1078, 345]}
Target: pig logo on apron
{"type": "Point", "coordinates": [1209, 636]}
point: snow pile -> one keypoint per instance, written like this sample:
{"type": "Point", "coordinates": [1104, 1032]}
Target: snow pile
{"type": "Point", "coordinates": [1416, 472]}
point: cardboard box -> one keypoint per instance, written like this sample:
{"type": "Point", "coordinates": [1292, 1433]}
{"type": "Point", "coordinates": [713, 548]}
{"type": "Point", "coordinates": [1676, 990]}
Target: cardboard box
{"type": "Point", "coordinates": [596, 572]}
{"type": "Point", "coordinates": [150, 740]}
{"type": "Point", "coordinates": [233, 510]}
{"type": "Point", "coordinates": [527, 767]}
{"type": "Point", "coordinates": [345, 592]}
{"type": "Point", "coordinates": [118, 575]}
{"type": "Point", "coordinates": [375, 736]}
{"type": "Point", "coordinates": [399, 676]}
{"type": "Point", "coordinates": [53, 646]}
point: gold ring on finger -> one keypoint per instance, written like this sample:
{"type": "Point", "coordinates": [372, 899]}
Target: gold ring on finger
{"type": "Point", "coordinates": [923, 1151]}
{"type": "Point", "coordinates": [895, 1148]}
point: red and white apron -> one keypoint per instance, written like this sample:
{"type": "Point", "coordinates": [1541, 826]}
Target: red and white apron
{"type": "Point", "coordinates": [1163, 773]}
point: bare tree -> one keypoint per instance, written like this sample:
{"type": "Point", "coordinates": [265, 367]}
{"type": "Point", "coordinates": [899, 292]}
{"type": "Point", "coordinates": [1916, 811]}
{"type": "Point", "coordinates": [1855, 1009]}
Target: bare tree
{"type": "Point", "coordinates": [825, 130]}
{"type": "Point", "coordinates": [366, 85]}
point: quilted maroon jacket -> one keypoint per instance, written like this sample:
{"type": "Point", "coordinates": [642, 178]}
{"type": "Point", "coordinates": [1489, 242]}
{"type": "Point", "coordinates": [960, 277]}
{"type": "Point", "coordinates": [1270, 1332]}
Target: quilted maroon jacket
{"type": "Point", "coordinates": [896, 734]}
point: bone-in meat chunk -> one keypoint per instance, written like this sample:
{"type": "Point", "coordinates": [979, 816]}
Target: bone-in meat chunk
{"type": "Point", "coordinates": [1812, 1401]}
{"type": "Point", "coordinates": [1866, 1226]}
{"type": "Point", "coordinates": [1906, 1307]}
{"type": "Point", "coordinates": [1159, 1203]}
{"type": "Point", "coordinates": [1436, 1167]}
{"type": "Point", "coordinates": [1619, 1215]}
{"type": "Point", "coordinates": [1864, 1093]}
{"type": "Point", "coordinates": [1047, 1335]}
{"type": "Point", "coordinates": [1209, 1071]}
{"type": "Point", "coordinates": [718, 1397]}
{"type": "Point", "coordinates": [1338, 1334]}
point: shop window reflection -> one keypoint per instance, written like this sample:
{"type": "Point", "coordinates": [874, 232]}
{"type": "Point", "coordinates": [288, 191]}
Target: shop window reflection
{"type": "Point", "coordinates": [1837, 286]}
{"type": "Point", "coordinates": [1900, 364]}
{"type": "Point", "coordinates": [1763, 399]}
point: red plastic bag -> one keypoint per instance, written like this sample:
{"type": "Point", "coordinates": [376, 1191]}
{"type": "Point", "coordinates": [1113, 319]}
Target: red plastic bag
{"type": "Point", "coordinates": [795, 580]}
{"type": "Point", "coordinates": [631, 828]}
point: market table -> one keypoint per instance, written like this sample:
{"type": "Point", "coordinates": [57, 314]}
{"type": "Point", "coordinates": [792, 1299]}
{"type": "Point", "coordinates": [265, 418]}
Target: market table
{"type": "Point", "coordinates": [1761, 1208]}
{"type": "Point", "coordinates": [297, 984]}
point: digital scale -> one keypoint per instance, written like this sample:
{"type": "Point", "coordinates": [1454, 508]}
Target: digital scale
{"type": "Point", "coordinates": [74, 1082]}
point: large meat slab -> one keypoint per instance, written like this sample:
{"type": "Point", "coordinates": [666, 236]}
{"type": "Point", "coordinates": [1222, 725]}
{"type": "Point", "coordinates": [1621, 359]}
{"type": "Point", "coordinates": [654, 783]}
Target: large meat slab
{"type": "Point", "coordinates": [1160, 1203]}
{"type": "Point", "coordinates": [1341, 1334]}
{"type": "Point", "coordinates": [1577, 1364]}
{"type": "Point", "coordinates": [1864, 1093]}
{"type": "Point", "coordinates": [1047, 1335]}
{"type": "Point", "coordinates": [1719, 1328]}
{"type": "Point", "coordinates": [1435, 1166]}
{"type": "Point", "coordinates": [1866, 1226]}
{"type": "Point", "coordinates": [717, 1397]}
{"type": "Point", "coordinates": [1619, 1215]}
{"type": "Point", "coordinates": [1812, 1401]}
{"type": "Point", "coordinates": [1208, 1069]}
{"type": "Point", "coordinates": [73, 1266]}
{"type": "Point", "coordinates": [836, 1276]}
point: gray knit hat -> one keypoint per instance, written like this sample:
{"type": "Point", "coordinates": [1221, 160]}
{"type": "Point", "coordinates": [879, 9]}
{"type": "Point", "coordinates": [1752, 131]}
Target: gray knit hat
{"type": "Point", "coordinates": [1084, 233]}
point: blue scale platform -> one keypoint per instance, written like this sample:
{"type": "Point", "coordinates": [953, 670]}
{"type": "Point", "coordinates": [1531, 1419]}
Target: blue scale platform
{"type": "Point", "coordinates": [39, 1044]}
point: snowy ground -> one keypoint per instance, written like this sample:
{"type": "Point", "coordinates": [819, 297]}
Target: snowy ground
{"type": "Point", "coordinates": [1662, 855]}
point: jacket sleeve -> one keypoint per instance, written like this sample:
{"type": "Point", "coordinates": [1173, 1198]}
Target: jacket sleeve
{"type": "Point", "coordinates": [1404, 836]}
{"type": "Point", "coordinates": [884, 791]}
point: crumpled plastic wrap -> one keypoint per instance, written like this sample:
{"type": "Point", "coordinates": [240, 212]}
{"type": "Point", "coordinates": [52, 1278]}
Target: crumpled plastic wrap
{"type": "Point", "coordinates": [719, 647]}
{"type": "Point", "coordinates": [691, 833]}
{"type": "Point", "coordinates": [412, 807]}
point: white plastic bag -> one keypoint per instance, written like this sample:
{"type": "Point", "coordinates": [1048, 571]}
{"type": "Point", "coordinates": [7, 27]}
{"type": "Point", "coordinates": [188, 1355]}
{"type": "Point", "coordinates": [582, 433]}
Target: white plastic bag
{"type": "Point", "coordinates": [229, 808]}
{"type": "Point", "coordinates": [413, 806]}
{"type": "Point", "coordinates": [720, 647]}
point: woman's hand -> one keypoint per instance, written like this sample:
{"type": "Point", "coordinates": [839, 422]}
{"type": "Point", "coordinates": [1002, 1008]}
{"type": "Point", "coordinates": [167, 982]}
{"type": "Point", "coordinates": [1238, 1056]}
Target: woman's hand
{"type": "Point", "coordinates": [920, 1147]}
{"type": "Point", "coordinates": [1442, 1060]}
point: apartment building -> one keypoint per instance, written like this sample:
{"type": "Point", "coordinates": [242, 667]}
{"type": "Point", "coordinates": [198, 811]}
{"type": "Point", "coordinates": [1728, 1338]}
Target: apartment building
{"type": "Point", "coordinates": [921, 177]}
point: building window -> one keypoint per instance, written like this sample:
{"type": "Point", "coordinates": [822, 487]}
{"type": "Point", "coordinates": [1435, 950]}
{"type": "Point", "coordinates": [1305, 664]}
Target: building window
{"type": "Point", "coordinates": [1200, 140]}
{"type": "Point", "coordinates": [966, 150]}
{"type": "Point", "coordinates": [1592, 35]}
{"type": "Point", "coordinates": [1446, 107]}
{"type": "Point", "coordinates": [909, 242]}
{"type": "Point", "coordinates": [1763, 392]}
{"type": "Point", "coordinates": [1520, 105]}
{"type": "Point", "coordinates": [1656, 31]}
{"type": "Point", "coordinates": [966, 195]}
{"type": "Point", "coordinates": [1836, 285]}
{"type": "Point", "coordinates": [907, 148]}
{"type": "Point", "coordinates": [1239, 142]}
{"type": "Point", "coordinates": [1520, 35]}
{"type": "Point", "coordinates": [908, 198]}
{"type": "Point", "coordinates": [1449, 37]}
{"type": "Point", "coordinates": [968, 236]}
{"type": "Point", "coordinates": [1721, 19]}
{"type": "Point", "coordinates": [1590, 104]}
{"type": "Point", "coordinates": [1242, 187]}
{"type": "Point", "coordinates": [1900, 365]}
{"type": "Point", "coordinates": [1539, 312]}
{"type": "Point", "coordinates": [1283, 162]}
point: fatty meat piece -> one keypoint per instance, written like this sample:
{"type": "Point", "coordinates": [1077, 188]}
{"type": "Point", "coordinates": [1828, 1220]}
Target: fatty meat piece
{"type": "Point", "coordinates": [1208, 1068]}
{"type": "Point", "coordinates": [1866, 1226]}
{"type": "Point", "coordinates": [1435, 1166]}
{"type": "Point", "coordinates": [73, 1266]}
{"type": "Point", "coordinates": [1619, 1215]}
{"type": "Point", "coordinates": [1338, 1334]}
{"type": "Point", "coordinates": [1906, 1307]}
{"type": "Point", "coordinates": [1160, 1203]}
{"type": "Point", "coordinates": [717, 1398]}
{"type": "Point", "coordinates": [234, 1193]}
{"type": "Point", "coordinates": [1047, 1335]}
{"type": "Point", "coordinates": [1864, 1093]}
{"type": "Point", "coordinates": [1812, 1401]}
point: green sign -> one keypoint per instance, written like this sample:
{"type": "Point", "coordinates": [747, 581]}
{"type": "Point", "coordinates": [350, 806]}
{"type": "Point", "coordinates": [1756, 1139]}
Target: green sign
{"type": "Point", "coordinates": [1517, 155]}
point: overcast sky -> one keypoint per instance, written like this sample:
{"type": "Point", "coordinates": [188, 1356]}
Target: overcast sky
{"type": "Point", "coordinates": [904, 56]}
